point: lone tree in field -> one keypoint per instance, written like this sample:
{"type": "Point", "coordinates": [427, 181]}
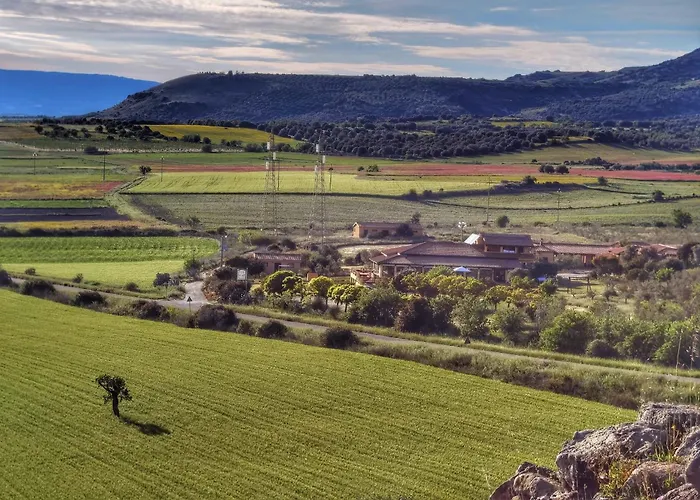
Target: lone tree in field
{"type": "Point", "coordinates": [116, 391]}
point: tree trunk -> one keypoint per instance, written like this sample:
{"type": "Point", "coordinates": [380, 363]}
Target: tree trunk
{"type": "Point", "coordinates": [115, 406]}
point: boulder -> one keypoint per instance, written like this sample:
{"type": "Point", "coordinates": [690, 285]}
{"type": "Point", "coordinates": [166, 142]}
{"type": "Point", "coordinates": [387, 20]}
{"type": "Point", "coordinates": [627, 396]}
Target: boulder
{"type": "Point", "coordinates": [690, 446]}
{"type": "Point", "coordinates": [528, 477]}
{"type": "Point", "coordinates": [675, 419]}
{"type": "Point", "coordinates": [685, 492]}
{"type": "Point", "coordinates": [652, 479]}
{"type": "Point", "coordinates": [584, 457]}
{"type": "Point", "coordinates": [692, 472]}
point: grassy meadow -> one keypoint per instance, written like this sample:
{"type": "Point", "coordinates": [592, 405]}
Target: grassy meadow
{"type": "Point", "coordinates": [111, 261]}
{"type": "Point", "coordinates": [250, 418]}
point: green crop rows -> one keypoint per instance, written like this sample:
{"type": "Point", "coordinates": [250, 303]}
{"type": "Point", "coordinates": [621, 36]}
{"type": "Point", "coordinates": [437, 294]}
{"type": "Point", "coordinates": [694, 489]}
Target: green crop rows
{"type": "Point", "coordinates": [107, 261]}
{"type": "Point", "coordinates": [250, 418]}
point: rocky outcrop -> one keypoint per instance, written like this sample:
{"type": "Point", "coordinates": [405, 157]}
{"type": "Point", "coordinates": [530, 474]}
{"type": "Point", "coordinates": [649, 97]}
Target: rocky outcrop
{"type": "Point", "coordinates": [656, 457]}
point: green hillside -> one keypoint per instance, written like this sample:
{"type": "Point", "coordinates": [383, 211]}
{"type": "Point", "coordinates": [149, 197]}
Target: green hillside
{"type": "Point", "coordinates": [249, 418]}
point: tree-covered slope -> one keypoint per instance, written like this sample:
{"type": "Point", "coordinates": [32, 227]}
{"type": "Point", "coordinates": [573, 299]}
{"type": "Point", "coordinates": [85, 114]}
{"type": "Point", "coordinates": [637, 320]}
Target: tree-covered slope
{"type": "Point", "coordinates": [667, 89]}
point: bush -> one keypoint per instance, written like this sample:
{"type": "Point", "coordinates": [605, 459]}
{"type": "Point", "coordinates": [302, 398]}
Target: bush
{"type": "Point", "coordinates": [149, 309]}
{"type": "Point", "coordinates": [272, 330]}
{"type": "Point", "coordinates": [414, 316]}
{"type": "Point", "coordinates": [510, 322]}
{"type": "Point", "coordinates": [502, 221]}
{"type": "Point", "coordinates": [39, 288]}
{"type": "Point", "coordinates": [131, 287]}
{"type": "Point", "coordinates": [88, 298]}
{"type": "Point", "coordinates": [570, 332]}
{"type": "Point", "coordinates": [245, 327]}
{"type": "Point", "coordinates": [469, 315]}
{"type": "Point", "coordinates": [5, 278]}
{"type": "Point", "coordinates": [30, 271]}
{"type": "Point", "coordinates": [339, 338]}
{"type": "Point", "coordinates": [78, 278]}
{"type": "Point", "coordinates": [601, 349]}
{"type": "Point", "coordinates": [207, 148]}
{"type": "Point", "coordinates": [211, 317]}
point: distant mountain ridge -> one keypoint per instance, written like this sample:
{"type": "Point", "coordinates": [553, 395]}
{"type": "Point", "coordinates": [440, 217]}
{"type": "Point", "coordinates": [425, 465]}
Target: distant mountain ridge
{"type": "Point", "coordinates": [668, 89]}
{"type": "Point", "coordinates": [41, 93]}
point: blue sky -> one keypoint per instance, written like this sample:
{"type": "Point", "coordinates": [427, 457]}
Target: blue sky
{"type": "Point", "coordinates": [162, 39]}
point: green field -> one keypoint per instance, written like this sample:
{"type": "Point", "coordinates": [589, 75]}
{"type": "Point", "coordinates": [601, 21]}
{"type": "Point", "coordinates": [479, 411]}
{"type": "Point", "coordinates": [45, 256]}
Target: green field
{"type": "Point", "coordinates": [112, 261]}
{"type": "Point", "coordinates": [343, 211]}
{"type": "Point", "coordinates": [250, 418]}
{"type": "Point", "coordinates": [216, 134]}
{"type": "Point", "coordinates": [70, 203]}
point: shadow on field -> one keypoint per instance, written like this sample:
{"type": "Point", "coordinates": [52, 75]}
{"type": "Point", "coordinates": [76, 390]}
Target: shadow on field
{"type": "Point", "coordinates": [148, 429]}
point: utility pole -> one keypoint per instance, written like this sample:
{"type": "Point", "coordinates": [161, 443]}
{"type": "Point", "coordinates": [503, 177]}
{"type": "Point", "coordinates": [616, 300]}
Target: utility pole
{"type": "Point", "coordinates": [162, 159]}
{"type": "Point", "coordinates": [558, 206]}
{"type": "Point", "coordinates": [488, 202]}
{"type": "Point", "coordinates": [330, 180]}
{"type": "Point", "coordinates": [34, 155]}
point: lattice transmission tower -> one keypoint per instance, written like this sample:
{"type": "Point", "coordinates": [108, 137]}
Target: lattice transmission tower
{"type": "Point", "coordinates": [270, 208]}
{"type": "Point", "coordinates": [317, 221]}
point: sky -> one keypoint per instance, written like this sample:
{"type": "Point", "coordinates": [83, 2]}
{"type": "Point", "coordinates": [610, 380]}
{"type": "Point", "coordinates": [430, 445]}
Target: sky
{"type": "Point", "coordinates": [163, 39]}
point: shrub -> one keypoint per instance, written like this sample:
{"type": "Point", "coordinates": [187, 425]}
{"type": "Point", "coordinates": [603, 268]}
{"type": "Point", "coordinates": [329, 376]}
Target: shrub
{"type": "Point", "coordinates": [207, 148]}
{"type": "Point", "coordinates": [502, 221]}
{"type": "Point", "coordinates": [570, 332]}
{"type": "Point", "coordinates": [272, 330]}
{"type": "Point", "coordinates": [601, 349]}
{"type": "Point", "coordinates": [78, 278]}
{"type": "Point", "coordinates": [245, 327]}
{"type": "Point", "coordinates": [30, 271]}
{"type": "Point", "coordinates": [149, 309]}
{"type": "Point", "coordinates": [469, 315]}
{"type": "Point", "coordinates": [415, 316]}
{"type": "Point", "coordinates": [38, 288]}
{"type": "Point", "coordinates": [88, 298]}
{"type": "Point", "coordinates": [131, 287]}
{"type": "Point", "coordinates": [214, 317]}
{"type": "Point", "coordinates": [233, 292]}
{"type": "Point", "coordinates": [339, 338]}
{"type": "Point", "coordinates": [5, 278]}
{"type": "Point", "coordinates": [510, 322]}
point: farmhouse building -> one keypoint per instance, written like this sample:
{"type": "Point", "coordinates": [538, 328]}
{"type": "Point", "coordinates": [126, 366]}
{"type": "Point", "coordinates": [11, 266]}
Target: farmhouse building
{"type": "Point", "coordinates": [279, 261]}
{"type": "Point", "coordinates": [386, 229]}
{"type": "Point", "coordinates": [549, 252]}
{"type": "Point", "coordinates": [422, 257]}
{"type": "Point", "coordinates": [518, 246]}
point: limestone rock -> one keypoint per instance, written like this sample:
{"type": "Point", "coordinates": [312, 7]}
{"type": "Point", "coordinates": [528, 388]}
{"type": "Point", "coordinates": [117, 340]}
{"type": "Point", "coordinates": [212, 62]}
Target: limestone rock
{"type": "Point", "coordinates": [692, 472]}
{"type": "Point", "coordinates": [528, 477]}
{"type": "Point", "coordinates": [590, 452]}
{"type": "Point", "coordinates": [680, 418]}
{"type": "Point", "coordinates": [652, 479]}
{"type": "Point", "coordinates": [690, 445]}
{"type": "Point", "coordinates": [685, 492]}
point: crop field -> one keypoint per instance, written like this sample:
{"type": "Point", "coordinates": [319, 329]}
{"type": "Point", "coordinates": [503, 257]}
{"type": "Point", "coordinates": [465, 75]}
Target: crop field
{"type": "Point", "coordinates": [54, 187]}
{"type": "Point", "coordinates": [216, 134]}
{"type": "Point", "coordinates": [303, 182]}
{"type": "Point", "coordinates": [236, 416]}
{"type": "Point", "coordinates": [69, 203]}
{"type": "Point", "coordinates": [343, 211]}
{"type": "Point", "coordinates": [112, 261]}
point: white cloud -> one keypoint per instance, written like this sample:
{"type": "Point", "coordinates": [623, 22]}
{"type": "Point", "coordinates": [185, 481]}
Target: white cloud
{"type": "Point", "coordinates": [502, 9]}
{"type": "Point", "coordinates": [233, 52]}
{"type": "Point", "coordinates": [565, 55]}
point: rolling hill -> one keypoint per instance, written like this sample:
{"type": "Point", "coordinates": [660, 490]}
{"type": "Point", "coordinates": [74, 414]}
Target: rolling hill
{"type": "Point", "coordinates": [668, 89]}
{"type": "Point", "coordinates": [221, 415]}
{"type": "Point", "coordinates": [39, 93]}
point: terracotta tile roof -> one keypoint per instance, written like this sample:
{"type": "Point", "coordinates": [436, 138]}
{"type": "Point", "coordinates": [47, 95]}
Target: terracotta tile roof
{"type": "Point", "coordinates": [385, 225]}
{"type": "Point", "coordinates": [452, 261]}
{"type": "Point", "coordinates": [574, 249]}
{"type": "Point", "coordinates": [502, 239]}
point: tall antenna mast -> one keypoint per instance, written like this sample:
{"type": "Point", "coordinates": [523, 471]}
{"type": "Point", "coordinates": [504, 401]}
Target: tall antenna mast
{"type": "Point", "coordinates": [318, 209]}
{"type": "Point", "coordinates": [270, 215]}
